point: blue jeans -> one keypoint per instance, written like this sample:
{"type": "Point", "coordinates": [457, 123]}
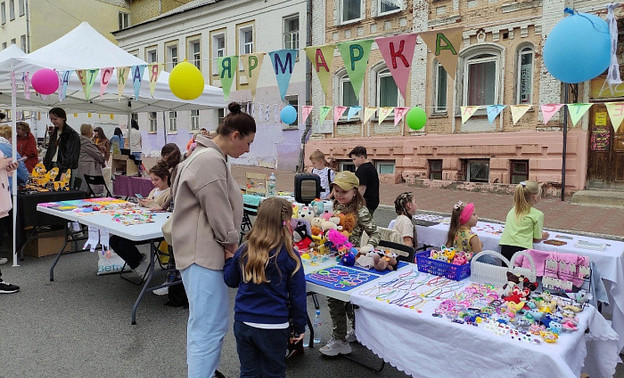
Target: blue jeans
{"type": "Point", "coordinates": [261, 352]}
{"type": "Point", "coordinates": [209, 312]}
{"type": "Point", "coordinates": [137, 155]}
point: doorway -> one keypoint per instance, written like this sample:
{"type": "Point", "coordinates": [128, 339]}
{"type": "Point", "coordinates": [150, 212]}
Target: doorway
{"type": "Point", "coordinates": [605, 166]}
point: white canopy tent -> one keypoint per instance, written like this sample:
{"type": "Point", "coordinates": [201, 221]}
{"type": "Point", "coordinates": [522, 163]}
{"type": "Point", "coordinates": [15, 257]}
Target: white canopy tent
{"type": "Point", "coordinates": [85, 48]}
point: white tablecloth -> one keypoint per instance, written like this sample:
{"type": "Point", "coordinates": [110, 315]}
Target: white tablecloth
{"type": "Point", "coordinates": [610, 262]}
{"type": "Point", "coordinates": [425, 346]}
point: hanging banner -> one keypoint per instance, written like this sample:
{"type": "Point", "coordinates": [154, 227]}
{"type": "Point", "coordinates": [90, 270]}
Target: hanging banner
{"type": "Point", "coordinates": [26, 81]}
{"type": "Point", "coordinates": [283, 63]}
{"type": "Point", "coordinates": [399, 113]}
{"type": "Point", "coordinates": [445, 45]}
{"type": "Point", "coordinates": [122, 77]}
{"type": "Point", "coordinates": [398, 52]}
{"type": "Point", "coordinates": [251, 65]}
{"type": "Point", "coordinates": [355, 57]}
{"type": "Point", "coordinates": [368, 114]}
{"type": "Point", "coordinates": [321, 58]}
{"type": "Point", "coordinates": [517, 111]}
{"type": "Point", "coordinates": [154, 71]}
{"type": "Point", "coordinates": [353, 110]}
{"type": "Point", "coordinates": [467, 112]}
{"type": "Point", "coordinates": [577, 111]}
{"type": "Point", "coordinates": [137, 76]}
{"type": "Point", "coordinates": [493, 111]}
{"type": "Point", "coordinates": [549, 110]}
{"type": "Point", "coordinates": [87, 79]}
{"type": "Point", "coordinates": [338, 112]}
{"type": "Point", "coordinates": [616, 113]}
{"type": "Point", "coordinates": [324, 112]}
{"type": "Point", "coordinates": [305, 112]}
{"type": "Point", "coordinates": [613, 75]}
{"type": "Point", "coordinates": [105, 76]}
{"type": "Point", "coordinates": [384, 112]}
{"type": "Point", "coordinates": [227, 68]}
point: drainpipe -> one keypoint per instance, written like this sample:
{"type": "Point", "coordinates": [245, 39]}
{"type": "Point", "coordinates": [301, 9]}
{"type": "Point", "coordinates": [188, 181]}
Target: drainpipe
{"type": "Point", "coordinates": [308, 128]}
{"type": "Point", "coordinates": [26, 8]}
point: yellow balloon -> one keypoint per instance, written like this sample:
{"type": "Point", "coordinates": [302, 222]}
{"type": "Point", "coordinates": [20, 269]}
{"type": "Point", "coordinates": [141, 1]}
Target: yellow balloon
{"type": "Point", "coordinates": [186, 81]}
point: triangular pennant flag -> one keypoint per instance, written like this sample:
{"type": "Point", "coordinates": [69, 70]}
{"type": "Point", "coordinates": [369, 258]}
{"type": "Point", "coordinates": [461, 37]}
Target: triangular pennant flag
{"type": "Point", "coordinates": [324, 112]}
{"type": "Point", "coordinates": [398, 52]}
{"type": "Point", "coordinates": [283, 63]}
{"type": "Point", "coordinates": [137, 77]}
{"type": "Point", "coordinates": [227, 68]}
{"type": "Point", "coordinates": [445, 45]}
{"type": "Point", "coordinates": [517, 111]}
{"type": "Point", "coordinates": [368, 114]}
{"type": "Point", "coordinates": [355, 57]}
{"type": "Point", "coordinates": [154, 71]}
{"type": "Point", "coordinates": [305, 112]}
{"type": "Point", "coordinates": [252, 64]}
{"type": "Point", "coordinates": [549, 110]}
{"type": "Point", "coordinates": [384, 112]}
{"type": "Point", "coordinates": [87, 79]}
{"type": "Point", "coordinates": [616, 113]}
{"type": "Point", "coordinates": [493, 111]}
{"type": "Point", "coordinates": [353, 110]}
{"type": "Point", "coordinates": [26, 81]}
{"type": "Point", "coordinates": [338, 112]}
{"type": "Point", "coordinates": [64, 83]}
{"type": "Point", "coordinates": [105, 76]}
{"type": "Point", "coordinates": [467, 112]}
{"type": "Point", "coordinates": [122, 78]}
{"type": "Point", "coordinates": [321, 58]}
{"type": "Point", "coordinates": [399, 113]}
{"type": "Point", "coordinates": [577, 111]}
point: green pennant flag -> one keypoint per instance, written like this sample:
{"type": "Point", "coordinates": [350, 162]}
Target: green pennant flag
{"type": "Point", "coordinates": [87, 79]}
{"type": "Point", "coordinates": [227, 68]}
{"type": "Point", "coordinates": [324, 112]}
{"type": "Point", "coordinates": [577, 111]}
{"type": "Point", "coordinates": [355, 57]}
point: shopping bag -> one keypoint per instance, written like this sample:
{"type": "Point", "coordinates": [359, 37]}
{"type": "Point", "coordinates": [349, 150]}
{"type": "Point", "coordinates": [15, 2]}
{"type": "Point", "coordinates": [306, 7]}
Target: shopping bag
{"type": "Point", "coordinates": [110, 262]}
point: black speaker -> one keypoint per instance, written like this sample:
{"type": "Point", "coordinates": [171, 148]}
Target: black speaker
{"type": "Point", "coordinates": [307, 187]}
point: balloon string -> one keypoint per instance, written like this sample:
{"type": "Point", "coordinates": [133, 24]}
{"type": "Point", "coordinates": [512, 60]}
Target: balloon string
{"type": "Point", "coordinates": [573, 12]}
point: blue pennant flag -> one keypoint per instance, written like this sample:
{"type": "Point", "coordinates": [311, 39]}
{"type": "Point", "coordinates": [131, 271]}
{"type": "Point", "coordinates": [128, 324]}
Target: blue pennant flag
{"type": "Point", "coordinates": [137, 76]}
{"type": "Point", "coordinates": [283, 62]}
{"type": "Point", "coordinates": [493, 111]}
{"type": "Point", "coordinates": [353, 110]}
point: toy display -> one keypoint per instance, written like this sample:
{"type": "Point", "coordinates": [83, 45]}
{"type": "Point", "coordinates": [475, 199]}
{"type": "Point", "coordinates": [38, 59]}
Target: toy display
{"type": "Point", "coordinates": [42, 180]}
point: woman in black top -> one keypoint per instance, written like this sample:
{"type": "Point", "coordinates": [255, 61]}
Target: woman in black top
{"type": "Point", "coordinates": [64, 148]}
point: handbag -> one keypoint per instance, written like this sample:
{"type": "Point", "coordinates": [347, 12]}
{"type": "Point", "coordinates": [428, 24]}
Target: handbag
{"type": "Point", "coordinates": [497, 275]}
{"type": "Point", "coordinates": [168, 225]}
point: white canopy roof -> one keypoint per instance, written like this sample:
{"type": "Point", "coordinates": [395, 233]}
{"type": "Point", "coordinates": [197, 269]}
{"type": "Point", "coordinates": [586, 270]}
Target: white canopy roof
{"type": "Point", "coordinates": [85, 48]}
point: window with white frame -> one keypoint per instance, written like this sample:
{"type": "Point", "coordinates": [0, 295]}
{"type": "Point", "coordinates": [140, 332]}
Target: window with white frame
{"type": "Point", "coordinates": [440, 88]}
{"type": "Point", "coordinates": [21, 6]}
{"type": "Point", "coordinates": [293, 100]}
{"type": "Point", "coordinates": [11, 10]}
{"type": "Point", "coordinates": [388, 6]}
{"type": "Point", "coordinates": [385, 167]}
{"type": "Point", "coordinates": [151, 55]}
{"type": "Point", "coordinates": [481, 79]}
{"type": "Point", "coordinates": [350, 10]}
{"type": "Point", "coordinates": [3, 11]}
{"type": "Point", "coordinates": [387, 92]}
{"type": "Point", "coordinates": [346, 165]}
{"type": "Point", "coordinates": [291, 32]}
{"type": "Point", "coordinates": [218, 50]}
{"type": "Point", "coordinates": [171, 57]}
{"type": "Point", "coordinates": [478, 170]}
{"type": "Point", "coordinates": [23, 42]}
{"type": "Point", "coordinates": [194, 119]}
{"type": "Point", "coordinates": [124, 20]}
{"type": "Point", "coordinates": [220, 115]}
{"type": "Point", "coordinates": [525, 75]}
{"type": "Point", "coordinates": [347, 94]}
{"type": "Point", "coordinates": [173, 122]}
{"type": "Point", "coordinates": [153, 124]}
{"type": "Point", "coordinates": [195, 53]}
{"type": "Point", "coordinates": [246, 40]}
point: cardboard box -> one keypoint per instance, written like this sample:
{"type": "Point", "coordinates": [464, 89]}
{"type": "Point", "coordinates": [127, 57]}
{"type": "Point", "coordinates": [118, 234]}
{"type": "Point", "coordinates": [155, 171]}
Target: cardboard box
{"type": "Point", "coordinates": [47, 243]}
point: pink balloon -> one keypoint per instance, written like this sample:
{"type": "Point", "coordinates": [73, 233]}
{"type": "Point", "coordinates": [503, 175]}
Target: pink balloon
{"type": "Point", "coordinates": [45, 81]}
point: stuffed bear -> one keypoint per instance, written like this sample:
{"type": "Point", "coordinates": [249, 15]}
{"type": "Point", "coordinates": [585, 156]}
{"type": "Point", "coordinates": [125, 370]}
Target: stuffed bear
{"type": "Point", "coordinates": [383, 261]}
{"type": "Point", "coordinates": [307, 213]}
{"type": "Point", "coordinates": [316, 222]}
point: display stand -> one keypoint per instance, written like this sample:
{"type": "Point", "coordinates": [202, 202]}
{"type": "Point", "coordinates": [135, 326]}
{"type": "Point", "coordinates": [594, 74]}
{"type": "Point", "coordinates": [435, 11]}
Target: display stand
{"type": "Point", "coordinates": [124, 165]}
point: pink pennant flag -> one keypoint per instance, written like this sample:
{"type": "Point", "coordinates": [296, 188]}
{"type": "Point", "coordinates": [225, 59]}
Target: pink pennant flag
{"type": "Point", "coordinates": [398, 52]}
{"type": "Point", "coordinates": [549, 110]}
{"type": "Point", "coordinates": [399, 113]}
{"type": "Point", "coordinates": [105, 76]}
{"type": "Point", "coordinates": [338, 112]}
{"type": "Point", "coordinates": [26, 80]}
{"type": "Point", "coordinates": [305, 112]}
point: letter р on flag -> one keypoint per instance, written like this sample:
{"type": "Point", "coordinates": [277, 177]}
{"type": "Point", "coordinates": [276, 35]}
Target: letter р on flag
{"type": "Point", "coordinates": [355, 57]}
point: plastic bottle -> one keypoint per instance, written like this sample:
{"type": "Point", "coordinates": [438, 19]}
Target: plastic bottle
{"type": "Point", "coordinates": [317, 327]}
{"type": "Point", "coordinates": [306, 338]}
{"type": "Point", "coordinates": [271, 185]}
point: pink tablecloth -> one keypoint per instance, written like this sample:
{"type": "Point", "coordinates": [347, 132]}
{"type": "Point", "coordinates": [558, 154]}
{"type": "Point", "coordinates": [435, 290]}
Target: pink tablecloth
{"type": "Point", "coordinates": [128, 186]}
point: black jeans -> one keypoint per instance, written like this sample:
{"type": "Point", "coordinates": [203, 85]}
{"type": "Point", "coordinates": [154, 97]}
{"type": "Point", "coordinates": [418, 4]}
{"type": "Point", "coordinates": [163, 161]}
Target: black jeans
{"type": "Point", "coordinates": [509, 250]}
{"type": "Point", "coordinates": [261, 352]}
{"type": "Point", "coordinates": [127, 250]}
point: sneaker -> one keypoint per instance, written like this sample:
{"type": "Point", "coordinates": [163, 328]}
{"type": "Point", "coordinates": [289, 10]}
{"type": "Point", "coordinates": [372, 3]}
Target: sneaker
{"type": "Point", "coordinates": [335, 347]}
{"type": "Point", "coordinates": [7, 288]}
{"type": "Point", "coordinates": [3, 260]}
{"type": "Point", "coordinates": [161, 291]}
{"type": "Point", "coordinates": [351, 338]}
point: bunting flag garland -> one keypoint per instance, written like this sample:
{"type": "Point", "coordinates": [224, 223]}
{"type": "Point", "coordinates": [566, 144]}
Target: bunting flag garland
{"type": "Point", "coordinates": [517, 111]}
{"type": "Point", "coordinates": [384, 112]}
{"type": "Point", "coordinates": [251, 65]}
{"type": "Point", "coordinates": [137, 76]}
{"type": "Point", "coordinates": [324, 112]}
{"type": "Point", "coordinates": [368, 114]}
{"type": "Point", "coordinates": [26, 81]}
{"type": "Point", "coordinates": [399, 113]}
{"type": "Point", "coordinates": [87, 79]}
{"type": "Point", "coordinates": [154, 71]}
{"type": "Point", "coordinates": [355, 57]}
{"type": "Point", "coordinates": [577, 111]}
{"type": "Point", "coordinates": [122, 78]}
{"type": "Point", "coordinates": [445, 45]}
{"type": "Point", "coordinates": [549, 110]}
{"type": "Point", "coordinates": [493, 111]}
{"type": "Point", "coordinates": [105, 76]}
{"type": "Point", "coordinates": [283, 64]}
{"type": "Point", "coordinates": [305, 113]}
{"type": "Point", "coordinates": [398, 53]}
{"type": "Point", "coordinates": [321, 58]}
{"type": "Point", "coordinates": [467, 112]}
{"type": "Point", "coordinates": [338, 112]}
{"type": "Point", "coordinates": [227, 69]}
{"type": "Point", "coordinates": [616, 114]}
{"type": "Point", "coordinates": [353, 110]}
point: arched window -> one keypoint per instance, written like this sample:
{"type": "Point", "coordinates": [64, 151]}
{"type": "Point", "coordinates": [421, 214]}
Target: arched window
{"type": "Point", "coordinates": [524, 79]}
{"type": "Point", "coordinates": [481, 79]}
{"type": "Point", "coordinates": [387, 93]}
{"type": "Point", "coordinates": [345, 92]}
{"type": "Point", "coordinates": [440, 89]}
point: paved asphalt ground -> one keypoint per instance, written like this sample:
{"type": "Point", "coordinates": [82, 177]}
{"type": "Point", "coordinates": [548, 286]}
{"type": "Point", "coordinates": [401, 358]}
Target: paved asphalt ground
{"type": "Point", "coordinates": [79, 325]}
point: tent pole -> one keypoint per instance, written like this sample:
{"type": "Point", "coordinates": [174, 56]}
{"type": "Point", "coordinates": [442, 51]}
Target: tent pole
{"type": "Point", "coordinates": [565, 142]}
{"type": "Point", "coordinates": [14, 186]}
{"type": "Point", "coordinates": [164, 126]}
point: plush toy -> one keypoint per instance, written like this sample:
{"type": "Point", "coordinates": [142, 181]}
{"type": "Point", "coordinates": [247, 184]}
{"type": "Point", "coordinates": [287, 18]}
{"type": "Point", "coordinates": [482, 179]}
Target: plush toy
{"type": "Point", "coordinates": [347, 222]}
{"type": "Point", "coordinates": [348, 258]}
{"type": "Point", "coordinates": [449, 253]}
{"type": "Point", "coordinates": [327, 215]}
{"type": "Point", "coordinates": [316, 222]}
{"type": "Point", "coordinates": [338, 241]}
{"type": "Point", "coordinates": [327, 225]}
{"type": "Point", "coordinates": [318, 206]}
{"type": "Point", "coordinates": [383, 261]}
{"type": "Point", "coordinates": [512, 281]}
{"type": "Point", "coordinates": [301, 238]}
{"type": "Point", "coordinates": [295, 211]}
{"type": "Point", "coordinates": [307, 213]}
{"type": "Point", "coordinates": [516, 295]}
{"type": "Point", "coordinates": [316, 230]}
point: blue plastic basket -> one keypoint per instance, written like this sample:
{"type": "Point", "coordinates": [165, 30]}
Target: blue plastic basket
{"type": "Point", "coordinates": [441, 268]}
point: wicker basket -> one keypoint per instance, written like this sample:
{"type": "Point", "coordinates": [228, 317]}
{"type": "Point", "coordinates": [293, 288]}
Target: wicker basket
{"type": "Point", "coordinates": [497, 275]}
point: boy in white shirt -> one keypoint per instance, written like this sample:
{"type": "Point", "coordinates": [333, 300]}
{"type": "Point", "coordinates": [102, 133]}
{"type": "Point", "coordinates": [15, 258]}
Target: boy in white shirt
{"type": "Point", "coordinates": [326, 174]}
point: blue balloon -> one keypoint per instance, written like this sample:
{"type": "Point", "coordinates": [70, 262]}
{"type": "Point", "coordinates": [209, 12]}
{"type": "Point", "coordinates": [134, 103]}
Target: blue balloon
{"type": "Point", "coordinates": [288, 114]}
{"type": "Point", "coordinates": [578, 48]}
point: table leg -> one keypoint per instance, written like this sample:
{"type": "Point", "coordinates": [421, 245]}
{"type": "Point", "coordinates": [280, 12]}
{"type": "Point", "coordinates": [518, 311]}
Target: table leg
{"type": "Point", "coordinates": [33, 233]}
{"type": "Point", "coordinates": [148, 279]}
{"type": "Point", "coordinates": [58, 255]}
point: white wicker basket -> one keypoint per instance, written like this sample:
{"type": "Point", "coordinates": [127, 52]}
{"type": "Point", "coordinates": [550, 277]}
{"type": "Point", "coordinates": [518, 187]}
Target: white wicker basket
{"type": "Point", "coordinates": [495, 274]}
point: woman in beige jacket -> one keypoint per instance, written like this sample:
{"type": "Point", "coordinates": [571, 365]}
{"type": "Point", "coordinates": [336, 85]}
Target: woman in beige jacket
{"type": "Point", "coordinates": [208, 210]}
